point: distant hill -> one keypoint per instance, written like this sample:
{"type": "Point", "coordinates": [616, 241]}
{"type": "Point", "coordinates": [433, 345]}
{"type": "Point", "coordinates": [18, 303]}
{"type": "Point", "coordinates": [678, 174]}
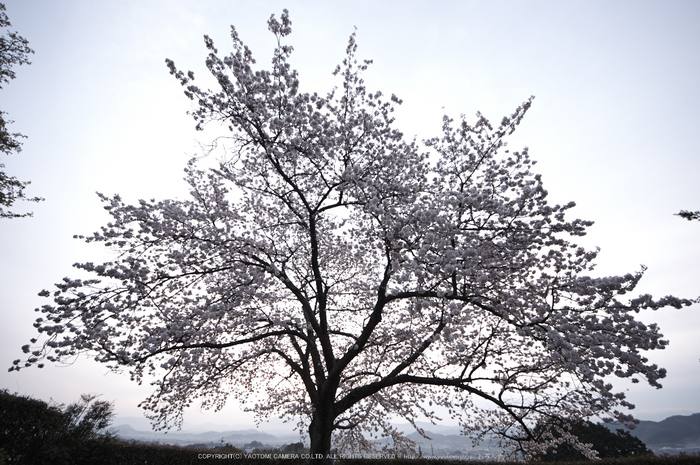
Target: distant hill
{"type": "Point", "coordinates": [676, 432]}
{"type": "Point", "coordinates": [182, 438]}
{"type": "Point", "coordinates": [673, 435]}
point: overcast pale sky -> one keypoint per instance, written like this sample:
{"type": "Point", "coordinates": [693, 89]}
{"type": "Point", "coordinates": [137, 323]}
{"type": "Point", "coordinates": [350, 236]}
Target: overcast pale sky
{"type": "Point", "coordinates": [614, 127]}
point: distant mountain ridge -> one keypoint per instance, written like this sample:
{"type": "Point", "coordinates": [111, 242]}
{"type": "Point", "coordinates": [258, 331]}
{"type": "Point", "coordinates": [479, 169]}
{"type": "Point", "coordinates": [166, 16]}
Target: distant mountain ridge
{"type": "Point", "coordinates": [676, 434]}
{"type": "Point", "coordinates": [237, 437]}
{"type": "Point", "coordinates": [679, 431]}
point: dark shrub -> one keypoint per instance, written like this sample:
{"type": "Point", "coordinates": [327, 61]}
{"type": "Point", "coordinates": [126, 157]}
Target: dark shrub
{"type": "Point", "coordinates": [32, 431]}
{"type": "Point", "coordinates": [608, 444]}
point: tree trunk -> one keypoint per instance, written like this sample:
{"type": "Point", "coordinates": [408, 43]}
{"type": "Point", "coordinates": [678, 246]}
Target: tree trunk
{"type": "Point", "coordinates": [320, 432]}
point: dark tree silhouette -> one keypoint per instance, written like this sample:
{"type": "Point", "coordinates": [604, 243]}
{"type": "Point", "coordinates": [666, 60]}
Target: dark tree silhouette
{"type": "Point", "coordinates": [35, 432]}
{"type": "Point", "coordinates": [605, 443]}
{"type": "Point", "coordinates": [688, 215]}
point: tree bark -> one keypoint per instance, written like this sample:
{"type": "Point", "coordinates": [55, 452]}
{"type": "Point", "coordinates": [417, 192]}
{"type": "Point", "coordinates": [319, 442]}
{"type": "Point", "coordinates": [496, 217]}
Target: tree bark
{"type": "Point", "coordinates": [320, 433]}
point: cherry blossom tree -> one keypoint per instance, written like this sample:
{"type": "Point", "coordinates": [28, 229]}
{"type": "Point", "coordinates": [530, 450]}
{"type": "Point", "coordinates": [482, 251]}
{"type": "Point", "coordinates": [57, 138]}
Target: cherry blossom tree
{"type": "Point", "coordinates": [329, 271]}
{"type": "Point", "coordinates": [14, 50]}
